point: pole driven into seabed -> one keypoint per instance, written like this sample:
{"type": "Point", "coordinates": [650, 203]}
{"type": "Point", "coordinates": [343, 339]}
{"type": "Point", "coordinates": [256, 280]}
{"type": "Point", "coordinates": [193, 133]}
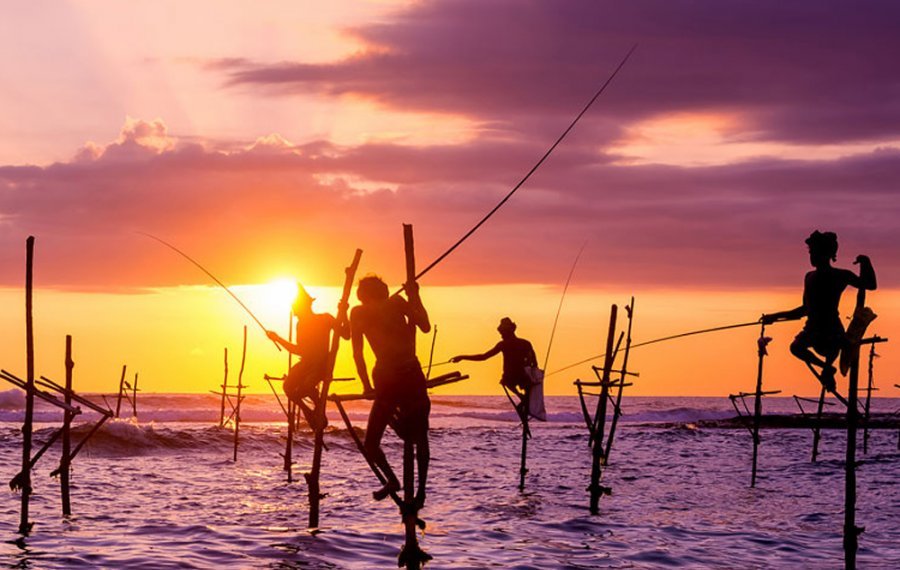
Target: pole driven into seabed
{"type": "Point", "coordinates": [24, 525]}
{"type": "Point", "coordinates": [240, 386]}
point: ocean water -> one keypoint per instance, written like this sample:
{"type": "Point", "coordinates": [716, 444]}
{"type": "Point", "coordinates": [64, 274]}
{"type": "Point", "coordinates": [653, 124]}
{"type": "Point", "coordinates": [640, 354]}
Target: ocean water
{"type": "Point", "coordinates": [162, 492]}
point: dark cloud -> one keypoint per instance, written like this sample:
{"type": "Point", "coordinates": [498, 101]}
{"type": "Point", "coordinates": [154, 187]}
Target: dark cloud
{"type": "Point", "coordinates": [276, 206]}
{"type": "Point", "coordinates": [810, 72]}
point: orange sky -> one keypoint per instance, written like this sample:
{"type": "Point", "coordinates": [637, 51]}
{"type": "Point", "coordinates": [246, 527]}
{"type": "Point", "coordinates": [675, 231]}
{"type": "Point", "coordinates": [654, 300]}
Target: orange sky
{"type": "Point", "coordinates": [174, 337]}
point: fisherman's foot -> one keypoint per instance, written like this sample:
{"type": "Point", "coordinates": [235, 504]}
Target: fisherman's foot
{"type": "Point", "coordinates": [419, 500]}
{"type": "Point", "coordinates": [386, 491]}
{"type": "Point", "coordinates": [318, 423]}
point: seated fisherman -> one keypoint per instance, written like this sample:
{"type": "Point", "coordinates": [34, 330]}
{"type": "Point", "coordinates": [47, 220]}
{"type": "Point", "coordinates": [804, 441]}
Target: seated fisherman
{"type": "Point", "coordinates": [313, 345]}
{"type": "Point", "coordinates": [822, 289]}
{"type": "Point", "coordinates": [389, 323]}
{"type": "Point", "coordinates": [518, 354]}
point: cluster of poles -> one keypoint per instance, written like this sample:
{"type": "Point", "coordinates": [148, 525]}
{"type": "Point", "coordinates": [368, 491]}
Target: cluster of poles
{"type": "Point", "coordinates": [62, 397]}
{"type": "Point", "coordinates": [601, 416]}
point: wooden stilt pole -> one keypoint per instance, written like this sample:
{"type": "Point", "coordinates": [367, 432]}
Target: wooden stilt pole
{"type": "Point", "coordinates": [757, 400]}
{"type": "Point", "coordinates": [134, 391]}
{"type": "Point", "coordinates": [67, 435]}
{"type": "Point", "coordinates": [224, 392]}
{"type": "Point", "coordinates": [818, 425]}
{"type": "Point", "coordinates": [870, 387]}
{"type": "Point", "coordinates": [523, 414]}
{"type": "Point", "coordinates": [291, 410]}
{"type": "Point", "coordinates": [412, 556]}
{"type": "Point", "coordinates": [851, 531]}
{"type": "Point", "coordinates": [24, 525]}
{"type": "Point", "coordinates": [600, 418]}
{"type": "Point", "coordinates": [617, 411]}
{"type": "Point", "coordinates": [240, 385]}
{"type": "Point", "coordinates": [121, 391]}
{"type": "Point", "coordinates": [312, 478]}
{"type": "Point", "coordinates": [431, 352]}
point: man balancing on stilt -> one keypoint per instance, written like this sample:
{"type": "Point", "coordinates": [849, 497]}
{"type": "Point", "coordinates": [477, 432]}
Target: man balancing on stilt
{"type": "Point", "coordinates": [401, 398]}
{"type": "Point", "coordinates": [313, 336]}
{"type": "Point", "coordinates": [518, 356]}
{"type": "Point", "coordinates": [822, 289]}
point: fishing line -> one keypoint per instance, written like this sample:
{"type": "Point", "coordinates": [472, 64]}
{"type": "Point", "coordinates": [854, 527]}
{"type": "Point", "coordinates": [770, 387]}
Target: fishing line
{"type": "Point", "coordinates": [214, 278]}
{"type": "Point", "coordinates": [654, 341]}
{"type": "Point", "coordinates": [533, 168]}
{"type": "Point", "coordinates": [561, 299]}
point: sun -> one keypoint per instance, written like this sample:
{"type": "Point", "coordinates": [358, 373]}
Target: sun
{"type": "Point", "coordinates": [276, 297]}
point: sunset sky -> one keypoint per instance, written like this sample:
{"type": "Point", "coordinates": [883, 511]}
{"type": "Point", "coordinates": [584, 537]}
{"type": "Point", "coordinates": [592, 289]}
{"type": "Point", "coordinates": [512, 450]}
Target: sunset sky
{"type": "Point", "coordinates": [269, 140]}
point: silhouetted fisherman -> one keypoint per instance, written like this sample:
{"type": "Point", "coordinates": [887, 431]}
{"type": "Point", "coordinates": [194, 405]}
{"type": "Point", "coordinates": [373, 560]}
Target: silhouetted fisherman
{"type": "Point", "coordinates": [518, 355]}
{"type": "Point", "coordinates": [822, 289]}
{"type": "Point", "coordinates": [313, 343]}
{"type": "Point", "coordinates": [401, 398]}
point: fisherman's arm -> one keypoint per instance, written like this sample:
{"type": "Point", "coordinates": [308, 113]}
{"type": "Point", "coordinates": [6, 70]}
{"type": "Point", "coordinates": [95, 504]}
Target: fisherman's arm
{"type": "Point", "coordinates": [866, 279]}
{"type": "Point", "coordinates": [791, 315]}
{"type": "Point", "coordinates": [359, 358]}
{"type": "Point", "coordinates": [289, 346]}
{"type": "Point", "coordinates": [415, 309]}
{"type": "Point", "coordinates": [342, 323]}
{"type": "Point", "coordinates": [477, 357]}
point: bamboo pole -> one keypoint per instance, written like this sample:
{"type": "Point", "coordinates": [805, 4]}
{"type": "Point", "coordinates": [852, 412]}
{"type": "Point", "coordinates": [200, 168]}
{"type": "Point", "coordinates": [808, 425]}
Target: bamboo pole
{"type": "Point", "coordinates": [312, 478]}
{"type": "Point", "coordinates": [870, 387]}
{"type": "Point", "coordinates": [24, 525]}
{"type": "Point", "coordinates": [600, 417]}
{"type": "Point", "coordinates": [134, 391]}
{"type": "Point", "coordinates": [817, 427]}
{"type": "Point", "coordinates": [617, 411]}
{"type": "Point", "coordinates": [121, 390]}
{"type": "Point", "coordinates": [224, 390]}
{"type": "Point", "coordinates": [291, 409]}
{"type": "Point", "coordinates": [851, 531]}
{"type": "Point", "coordinates": [67, 435]}
{"type": "Point", "coordinates": [431, 352]}
{"type": "Point", "coordinates": [411, 556]}
{"type": "Point", "coordinates": [523, 414]}
{"type": "Point", "coordinates": [240, 385]}
{"type": "Point", "coordinates": [757, 400]}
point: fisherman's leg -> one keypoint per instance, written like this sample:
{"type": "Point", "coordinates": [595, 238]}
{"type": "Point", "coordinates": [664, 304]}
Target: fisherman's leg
{"type": "Point", "coordinates": [802, 351]}
{"type": "Point", "coordinates": [423, 448]}
{"type": "Point", "coordinates": [423, 458]}
{"type": "Point", "coordinates": [378, 420]}
{"type": "Point", "coordinates": [311, 414]}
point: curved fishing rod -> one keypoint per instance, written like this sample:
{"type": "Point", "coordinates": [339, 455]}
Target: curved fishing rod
{"type": "Point", "coordinates": [533, 168]}
{"type": "Point", "coordinates": [561, 299]}
{"type": "Point", "coordinates": [214, 278]}
{"type": "Point", "coordinates": [656, 340]}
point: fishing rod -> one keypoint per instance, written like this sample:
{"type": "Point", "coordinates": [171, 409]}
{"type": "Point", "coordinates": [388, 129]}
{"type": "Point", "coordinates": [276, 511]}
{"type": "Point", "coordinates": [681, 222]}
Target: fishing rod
{"type": "Point", "coordinates": [654, 341]}
{"type": "Point", "coordinates": [214, 278]}
{"type": "Point", "coordinates": [561, 299]}
{"type": "Point", "coordinates": [533, 168]}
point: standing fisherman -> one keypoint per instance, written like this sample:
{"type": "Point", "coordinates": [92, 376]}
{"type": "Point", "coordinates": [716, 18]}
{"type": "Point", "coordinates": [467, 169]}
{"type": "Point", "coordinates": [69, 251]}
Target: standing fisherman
{"type": "Point", "coordinates": [822, 289]}
{"type": "Point", "coordinates": [313, 336]}
{"type": "Point", "coordinates": [518, 357]}
{"type": "Point", "coordinates": [401, 398]}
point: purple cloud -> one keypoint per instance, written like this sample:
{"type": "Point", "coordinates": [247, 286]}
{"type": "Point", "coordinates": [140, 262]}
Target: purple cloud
{"type": "Point", "coordinates": [801, 72]}
{"type": "Point", "coordinates": [272, 205]}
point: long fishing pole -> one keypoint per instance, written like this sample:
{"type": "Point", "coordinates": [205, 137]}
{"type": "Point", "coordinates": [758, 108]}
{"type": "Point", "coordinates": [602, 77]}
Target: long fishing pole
{"type": "Point", "coordinates": [533, 168]}
{"type": "Point", "coordinates": [656, 340]}
{"type": "Point", "coordinates": [214, 278]}
{"type": "Point", "coordinates": [561, 299]}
